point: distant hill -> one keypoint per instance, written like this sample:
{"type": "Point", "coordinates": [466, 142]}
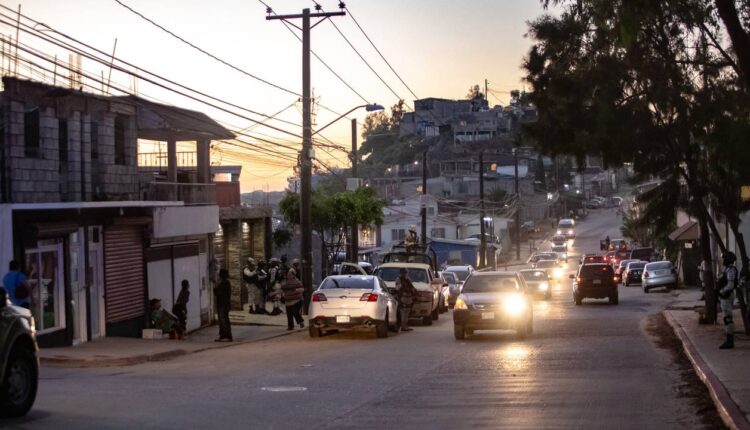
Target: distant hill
{"type": "Point", "coordinates": [258, 198]}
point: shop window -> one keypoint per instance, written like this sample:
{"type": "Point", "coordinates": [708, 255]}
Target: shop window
{"type": "Point", "coordinates": [120, 124]}
{"type": "Point", "coordinates": [398, 234]}
{"type": "Point", "coordinates": [31, 134]}
{"type": "Point", "coordinates": [43, 269]}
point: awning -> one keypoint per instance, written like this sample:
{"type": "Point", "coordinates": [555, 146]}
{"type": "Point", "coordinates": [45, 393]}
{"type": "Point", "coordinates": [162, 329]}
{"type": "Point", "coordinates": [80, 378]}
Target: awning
{"type": "Point", "coordinates": [686, 232]}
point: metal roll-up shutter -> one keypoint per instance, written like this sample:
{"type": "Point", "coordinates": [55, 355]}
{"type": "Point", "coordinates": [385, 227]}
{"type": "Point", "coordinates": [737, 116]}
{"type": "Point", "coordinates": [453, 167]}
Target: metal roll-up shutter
{"type": "Point", "coordinates": [123, 272]}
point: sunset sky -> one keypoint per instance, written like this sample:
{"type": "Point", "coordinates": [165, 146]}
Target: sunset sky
{"type": "Point", "coordinates": [439, 47]}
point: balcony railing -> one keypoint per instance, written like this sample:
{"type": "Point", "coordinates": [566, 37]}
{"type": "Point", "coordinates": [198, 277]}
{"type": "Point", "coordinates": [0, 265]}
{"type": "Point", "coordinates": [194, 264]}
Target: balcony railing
{"type": "Point", "coordinates": [191, 194]}
{"type": "Point", "coordinates": [159, 159]}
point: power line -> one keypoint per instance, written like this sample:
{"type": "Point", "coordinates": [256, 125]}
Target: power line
{"type": "Point", "coordinates": [380, 53]}
{"type": "Point", "coordinates": [320, 60]}
{"type": "Point", "coordinates": [361, 57]}
{"type": "Point", "coordinates": [203, 51]}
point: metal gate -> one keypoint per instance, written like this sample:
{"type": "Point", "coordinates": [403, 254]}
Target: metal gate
{"type": "Point", "coordinates": [123, 273]}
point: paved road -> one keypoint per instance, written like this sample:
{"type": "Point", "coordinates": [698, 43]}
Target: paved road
{"type": "Point", "coordinates": [593, 366]}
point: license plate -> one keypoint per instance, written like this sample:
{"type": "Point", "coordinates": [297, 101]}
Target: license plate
{"type": "Point", "coordinates": [597, 281]}
{"type": "Point", "coordinates": [343, 318]}
{"type": "Point", "coordinates": [488, 315]}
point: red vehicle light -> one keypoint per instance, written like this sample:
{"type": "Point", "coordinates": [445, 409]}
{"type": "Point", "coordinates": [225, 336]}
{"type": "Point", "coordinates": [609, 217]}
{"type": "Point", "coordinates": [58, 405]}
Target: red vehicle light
{"type": "Point", "coordinates": [319, 297]}
{"type": "Point", "coordinates": [369, 297]}
{"type": "Point", "coordinates": [645, 274]}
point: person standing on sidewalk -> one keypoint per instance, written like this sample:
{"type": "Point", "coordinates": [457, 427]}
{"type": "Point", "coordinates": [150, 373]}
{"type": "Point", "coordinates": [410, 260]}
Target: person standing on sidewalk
{"type": "Point", "coordinates": [406, 293]}
{"type": "Point", "coordinates": [223, 297]}
{"type": "Point", "coordinates": [17, 288]}
{"type": "Point", "coordinates": [274, 281]}
{"type": "Point", "coordinates": [180, 305]}
{"type": "Point", "coordinates": [727, 284]}
{"type": "Point", "coordinates": [292, 288]}
{"type": "Point", "coordinates": [251, 276]}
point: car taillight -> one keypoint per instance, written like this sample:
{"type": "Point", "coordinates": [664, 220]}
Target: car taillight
{"type": "Point", "coordinates": [369, 297]}
{"type": "Point", "coordinates": [319, 297]}
{"type": "Point", "coordinates": [645, 274]}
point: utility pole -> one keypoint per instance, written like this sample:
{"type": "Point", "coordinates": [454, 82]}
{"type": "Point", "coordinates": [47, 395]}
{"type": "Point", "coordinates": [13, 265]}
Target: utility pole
{"type": "Point", "coordinates": [483, 236]}
{"type": "Point", "coordinates": [355, 229]}
{"type": "Point", "coordinates": [486, 93]}
{"type": "Point", "coordinates": [306, 156]}
{"type": "Point", "coordinates": [518, 207]}
{"type": "Point", "coordinates": [424, 198]}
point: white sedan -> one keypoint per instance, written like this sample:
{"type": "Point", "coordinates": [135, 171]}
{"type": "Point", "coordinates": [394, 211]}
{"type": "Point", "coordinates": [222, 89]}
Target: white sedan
{"type": "Point", "coordinates": [352, 301]}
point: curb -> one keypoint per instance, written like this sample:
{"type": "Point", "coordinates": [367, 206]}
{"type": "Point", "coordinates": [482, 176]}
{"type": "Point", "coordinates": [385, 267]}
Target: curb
{"type": "Point", "coordinates": [63, 362]}
{"type": "Point", "coordinates": [728, 410]}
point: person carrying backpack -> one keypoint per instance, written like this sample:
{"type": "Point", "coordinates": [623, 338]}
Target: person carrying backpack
{"type": "Point", "coordinates": [15, 284]}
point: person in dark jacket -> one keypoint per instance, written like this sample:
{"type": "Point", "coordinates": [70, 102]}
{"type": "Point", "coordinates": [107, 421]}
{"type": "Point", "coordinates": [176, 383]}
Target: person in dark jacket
{"type": "Point", "coordinates": [292, 288]}
{"type": "Point", "coordinates": [222, 294]}
{"type": "Point", "coordinates": [180, 305]}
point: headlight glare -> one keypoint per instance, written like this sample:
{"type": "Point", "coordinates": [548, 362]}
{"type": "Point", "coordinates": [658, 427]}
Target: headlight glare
{"type": "Point", "coordinates": [514, 305]}
{"type": "Point", "coordinates": [543, 286]}
{"type": "Point", "coordinates": [460, 304]}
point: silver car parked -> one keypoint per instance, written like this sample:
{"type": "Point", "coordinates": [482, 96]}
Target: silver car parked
{"type": "Point", "coordinates": [658, 274]}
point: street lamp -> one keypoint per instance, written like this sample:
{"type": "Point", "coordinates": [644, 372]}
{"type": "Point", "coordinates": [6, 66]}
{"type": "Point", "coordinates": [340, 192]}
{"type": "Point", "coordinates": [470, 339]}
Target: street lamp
{"type": "Point", "coordinates": [354, 231]}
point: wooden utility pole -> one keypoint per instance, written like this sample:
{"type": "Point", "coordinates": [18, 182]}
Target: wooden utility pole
{"type": "Point", "coordinates": [424, 199]}
{"type": "Point", "coordinates": [306, 156]}
{"type": "Point", "coordinates": [355, 229]}
{"type": "Point", "coordinates": [518, 207]}
{"type": "Point", "coordinates": [482, 230]}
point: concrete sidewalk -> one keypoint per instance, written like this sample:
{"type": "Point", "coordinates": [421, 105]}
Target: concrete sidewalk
{"type": "Point", "coordinates": [243, 317]}
{"type": "Point", "coordinates": [122, 351]}
{"type": "Point", "coordinates": [725, 372]}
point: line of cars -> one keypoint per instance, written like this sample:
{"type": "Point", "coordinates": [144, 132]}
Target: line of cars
{"type": "Point", "coordinates": [361, 300]}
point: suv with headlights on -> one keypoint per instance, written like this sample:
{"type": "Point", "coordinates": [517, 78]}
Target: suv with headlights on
{"type": "Point", "coordinates": [19, 364]}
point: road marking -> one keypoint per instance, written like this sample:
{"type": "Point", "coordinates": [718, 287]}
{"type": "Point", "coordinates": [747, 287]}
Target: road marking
{"type": "Point", "coordinates": [283, 389]}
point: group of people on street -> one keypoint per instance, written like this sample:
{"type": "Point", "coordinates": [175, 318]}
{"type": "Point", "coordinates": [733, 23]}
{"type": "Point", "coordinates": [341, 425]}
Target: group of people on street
{"type": "Point", "coordinates": [264, 282]}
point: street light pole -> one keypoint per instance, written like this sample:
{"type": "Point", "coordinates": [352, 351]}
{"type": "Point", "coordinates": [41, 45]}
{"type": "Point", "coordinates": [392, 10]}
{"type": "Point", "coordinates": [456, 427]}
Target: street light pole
{"type": "Point", "coordinates": [518, 206]}
{"type": "Point", "coordinates": [306, 156]}
{"type": "Point", "coordinates": [355, 229]}
{"type": "Point", "coordinates": [482, 228]}
{"type": "Point", "coordinates": [424, 198]}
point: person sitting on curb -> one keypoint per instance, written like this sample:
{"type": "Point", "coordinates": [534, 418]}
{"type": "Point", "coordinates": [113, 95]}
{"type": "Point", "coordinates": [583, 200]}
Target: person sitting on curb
{"type": "Point", "coordinates": [165, 321]}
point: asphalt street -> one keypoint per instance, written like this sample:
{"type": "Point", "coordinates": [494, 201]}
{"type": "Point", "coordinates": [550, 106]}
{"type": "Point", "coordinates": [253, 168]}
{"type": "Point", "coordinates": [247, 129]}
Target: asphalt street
{"type": "Point", "coordinates": [590, 366]}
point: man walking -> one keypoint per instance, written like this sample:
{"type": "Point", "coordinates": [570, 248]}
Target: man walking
{"type": "Point", "coordinates": [406, 293]}
{"type": "Point", "coordinates": [727, 284]}
{"type": "Point", "coordinates": [222, 295]}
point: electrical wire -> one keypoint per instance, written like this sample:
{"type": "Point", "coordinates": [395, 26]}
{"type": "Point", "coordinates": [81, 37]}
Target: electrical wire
{"type": "Point", "coordinates": [380, 53]}
{"type": "Point", "coordinates": [318, 58]}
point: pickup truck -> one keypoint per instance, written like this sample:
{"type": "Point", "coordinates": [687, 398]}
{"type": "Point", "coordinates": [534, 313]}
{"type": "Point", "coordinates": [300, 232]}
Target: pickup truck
{"type": "Point", "coordinates": [429, 288]}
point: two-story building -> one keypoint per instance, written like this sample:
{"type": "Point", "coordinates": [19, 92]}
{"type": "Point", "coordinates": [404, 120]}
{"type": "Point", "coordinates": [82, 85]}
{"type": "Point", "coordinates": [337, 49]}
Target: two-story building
{"type": "Point", "coordinates": [96, 237]}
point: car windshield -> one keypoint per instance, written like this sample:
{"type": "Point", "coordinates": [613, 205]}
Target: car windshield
{"type": "Point", "coordinates": [492, 284]}
{"type": "Point", "coordinates": [450, 278]}
{"type": "Point", "coordinates": [546, 264]}
{"type": "Point", "coordinates": [559, 248]}
{"type": "Point", "coordinates": [624, 263]}
{"type": "Point", "coordinates": [596, 270]}
{"type": "Point", "coordinates": [565, 224]}
{"type": "Point", "coordinates": [390, 274]}
{"type": "Point", "coordinates": [659, 266]}
{"type": "Point", "coordinates": [353, 282]}
{"type": "Point", "coordinates": [636, 266]}
{"type": "Point", "coordinates": [534, 275]}
{"type": "Point", "coordinates": [461, 274]}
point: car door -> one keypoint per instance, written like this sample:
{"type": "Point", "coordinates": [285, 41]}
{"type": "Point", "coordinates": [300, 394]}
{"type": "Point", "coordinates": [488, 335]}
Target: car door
{"type": "Point", "coordinates": [392, 302]}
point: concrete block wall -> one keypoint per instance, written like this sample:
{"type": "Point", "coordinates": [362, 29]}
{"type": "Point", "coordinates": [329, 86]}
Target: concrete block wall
{"type": "Point", "coordinates": [43, 179]}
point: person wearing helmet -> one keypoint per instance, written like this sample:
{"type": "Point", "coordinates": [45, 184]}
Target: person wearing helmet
{"type": "Point", "coordinates": [727, 284]}
{"type": "Point", "coordinates": [411, 240]}
{"type": "Point", "coordinates": [252, 280]}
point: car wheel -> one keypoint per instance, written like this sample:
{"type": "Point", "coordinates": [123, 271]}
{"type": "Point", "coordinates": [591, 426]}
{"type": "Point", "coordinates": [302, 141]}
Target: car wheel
{"type": "Point", "coordinates": [577, 299]}
{"type": "Point", "coordinates": [18, 391]}
{"type": "Point", "coordinates": [614, 299]}
{"type": "Point", "coordinates": [458, 332]}
{"type": "Point", "coordinates": [381, 328]}
{"type": "Point", "coordinates": [314, 331]}
{"type": "Point", "coordinates": [435, 314]}
{"type": "Point", "coordinates": [395, 328]}
{"type": "Point", "coordinates": [427, 320]}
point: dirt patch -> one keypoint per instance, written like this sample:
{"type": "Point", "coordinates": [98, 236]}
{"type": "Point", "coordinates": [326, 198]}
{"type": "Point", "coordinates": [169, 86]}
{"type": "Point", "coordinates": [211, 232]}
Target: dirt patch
{"type": "Point", "coordinates": [690, 387]}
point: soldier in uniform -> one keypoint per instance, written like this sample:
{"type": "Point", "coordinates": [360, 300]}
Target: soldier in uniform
{"type": "Point", "coordinates": [411, 240]}
{"type": "Point", "coordinates": [727, 284]}
{"type": "Point", "coordinates": [252, 280]}
{"type": "Point", "coordinates": [406, 293]}
{"type": "Point", "coordinates": [274, 286]}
